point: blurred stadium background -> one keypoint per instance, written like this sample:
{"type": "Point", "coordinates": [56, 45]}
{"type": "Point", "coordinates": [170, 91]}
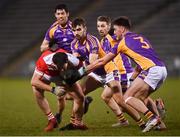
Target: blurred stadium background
{"type": "Point", "coordinates": [23, 25]}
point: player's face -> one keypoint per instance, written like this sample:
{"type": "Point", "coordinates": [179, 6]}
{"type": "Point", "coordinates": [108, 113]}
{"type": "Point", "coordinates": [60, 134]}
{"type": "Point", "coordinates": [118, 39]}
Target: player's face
{"type": "Point", "coordinates": [118, 31]}
{"type": "Point", "coordinates": [61, 16]}
{"type": "Point", "coordinates": [103, 28]}
{"type": "Point", "coordinates": [79, 31]}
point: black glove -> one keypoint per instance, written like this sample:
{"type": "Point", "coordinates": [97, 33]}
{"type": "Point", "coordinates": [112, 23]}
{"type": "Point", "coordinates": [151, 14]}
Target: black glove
{"type": "Point", "coordinates": [70, 76]}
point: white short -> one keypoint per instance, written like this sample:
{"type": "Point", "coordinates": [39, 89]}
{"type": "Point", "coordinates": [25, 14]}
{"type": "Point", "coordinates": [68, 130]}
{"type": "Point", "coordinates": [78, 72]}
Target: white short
{"type": "Point", "coordinates": [104, 79]}
{"type": "Point", "coordinates": [128, 77]}
{"type": "Point", "coordinates": [154, 76]}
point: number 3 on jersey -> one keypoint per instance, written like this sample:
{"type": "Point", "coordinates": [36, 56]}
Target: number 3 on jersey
{"type": "Point", "coordinates": [144, 43]}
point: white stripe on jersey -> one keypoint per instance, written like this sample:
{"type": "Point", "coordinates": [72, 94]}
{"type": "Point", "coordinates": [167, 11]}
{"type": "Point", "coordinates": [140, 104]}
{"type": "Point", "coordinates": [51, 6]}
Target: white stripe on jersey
{"type": "Point", "coordinates": [48, 59]}
{"type": "Point", "coordinates": [74, 60]}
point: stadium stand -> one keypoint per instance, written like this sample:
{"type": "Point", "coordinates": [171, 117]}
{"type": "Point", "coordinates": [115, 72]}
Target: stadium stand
{"type": "Point", "coordinates": [164, 30]}
{"type": "Point", "coordinates": [23, 24]}
{"type": "Point", "coordinates": [136, 10]}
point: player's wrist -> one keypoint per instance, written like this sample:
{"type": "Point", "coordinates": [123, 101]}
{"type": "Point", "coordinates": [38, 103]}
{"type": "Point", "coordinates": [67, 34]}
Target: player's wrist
{"type": "Point", "coordinates": [53, 89]}
{"type": "Point", "coordinates": [131, 79]}
{"type": "Point", "coordinates": [82, 71]}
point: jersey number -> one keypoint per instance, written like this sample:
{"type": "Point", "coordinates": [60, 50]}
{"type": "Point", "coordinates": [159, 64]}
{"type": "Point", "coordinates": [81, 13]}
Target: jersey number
{"type": "Point", "coordinates": [144, 43]}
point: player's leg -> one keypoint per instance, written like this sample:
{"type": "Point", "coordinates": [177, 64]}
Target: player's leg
{"type": "Point", "coordinates": [152, 106]}
{"type": "Point", "coordinates": [61, 105]}
{"type": "Point", "coordinates": [160, 107]}
{"type": "Point", "coordinates": [118, 97]}
{"type": "Point", "coordinates": [44, 106]}
{"type": "Point", "coordinates": [78, 105]}
{"type": "Point", "coordinates": [138, 88]}
{"type": "Point", "coordinates": [142, 87]}
{"type": "Point", "coordinates": [107, 97]}
{"type": "Point", "coordinates": [90, 84]}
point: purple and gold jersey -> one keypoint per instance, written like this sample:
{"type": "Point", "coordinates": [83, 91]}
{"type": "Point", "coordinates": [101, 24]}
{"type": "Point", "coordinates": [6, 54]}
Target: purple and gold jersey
{"type": "Point", "coordinates": [121, 60]}
{"type": "Point", "coordinates": [90, 45]}
{"type": "Point", "coordinates": [139, 49]}
{"type": "Point", "coordinates": [62, 36]}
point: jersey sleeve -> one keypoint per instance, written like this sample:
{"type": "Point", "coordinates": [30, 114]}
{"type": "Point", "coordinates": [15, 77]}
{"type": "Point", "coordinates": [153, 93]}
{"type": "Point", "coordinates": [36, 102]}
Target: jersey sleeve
{"type": "Point", "coordinates": [40, 67]}
{"type": "Point", "coordinates": [118, 47]}
{"type": "Point", "coordinates": [50, 32]}
{"type": "Point", "coordinates": [94, 44]}
{"type": "Point", "coordinates": [73, 60]}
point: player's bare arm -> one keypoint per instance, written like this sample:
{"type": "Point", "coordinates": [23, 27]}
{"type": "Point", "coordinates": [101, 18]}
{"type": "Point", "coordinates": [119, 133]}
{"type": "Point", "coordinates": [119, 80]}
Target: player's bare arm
{"type": "Point", "coordinates": [44, 45]}
{"type": "Point", "coordinates": [100, 62]}
{"type": "Point", "coordinates": [37, 82]}
{"type": "Point", "coordinates": [93, 57]}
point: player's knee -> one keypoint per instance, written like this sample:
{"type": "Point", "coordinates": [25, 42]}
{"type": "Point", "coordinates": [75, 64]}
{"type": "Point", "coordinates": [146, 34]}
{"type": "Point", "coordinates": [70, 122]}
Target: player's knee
{"type": "Point", "coordinates": [105, 98]}
{"type": "Point", "coordinates": [115, 87]}
{"type": "Point", "coordinates": [121, 102]}
{"type": "Point", "coordinates": [127, 95]}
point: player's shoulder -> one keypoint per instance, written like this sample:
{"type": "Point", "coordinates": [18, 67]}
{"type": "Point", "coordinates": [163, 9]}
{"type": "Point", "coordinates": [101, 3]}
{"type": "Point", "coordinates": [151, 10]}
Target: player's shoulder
{"type": "Point", "coordinates": [53, 27]}
{"type": "Point", "coordinates": [131, 35]}
{"type": "Point", "coordinates": [54, 24]}
{"type": "Point", "coordinates": [92, 39]}
{"type": "Point", "coordinates": [45, 53]}
{"type": "Point", "coordinates": [40, 63]}
{"type": "Point", "coordinates": [110, 38]}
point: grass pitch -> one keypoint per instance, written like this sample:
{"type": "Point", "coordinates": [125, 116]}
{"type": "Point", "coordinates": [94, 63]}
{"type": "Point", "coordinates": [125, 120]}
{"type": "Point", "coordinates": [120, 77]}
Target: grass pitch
{"type": "Point", "coordinates": [20, 115]}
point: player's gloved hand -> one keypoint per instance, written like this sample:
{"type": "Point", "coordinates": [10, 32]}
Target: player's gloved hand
{"type": "Point", "coordinates": [70, 76]}
{"type": "Point", "coordinates": [58, 91]}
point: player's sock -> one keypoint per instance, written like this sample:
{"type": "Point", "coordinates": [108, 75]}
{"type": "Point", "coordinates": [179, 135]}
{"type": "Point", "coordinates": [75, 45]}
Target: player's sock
{"type": "Point", "coordinates": [121, 117]}
{"type": "Point", "coordinates": [148, 114]}
{"type": "Point", "coordinates": [50, 115]}
{"type": "Point", "coordinates": [140, 123]}
{"type": "Point", "coordinates": [78, 122]}
{"type": "Point", "coordinates": [72, 119]}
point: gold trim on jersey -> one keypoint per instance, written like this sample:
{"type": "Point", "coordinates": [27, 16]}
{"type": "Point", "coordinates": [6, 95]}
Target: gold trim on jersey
{"type": "Point", "coordinates": [52, 30]}
{"type": "Point", "coordinates": [142, 61]}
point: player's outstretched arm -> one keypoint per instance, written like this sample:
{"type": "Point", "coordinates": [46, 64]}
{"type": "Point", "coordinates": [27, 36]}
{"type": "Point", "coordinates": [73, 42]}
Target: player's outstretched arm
{"type": "Point", "coordinates": [39, 84]}
{"type": "Point", "coordinates": [44, 45]}
{"type": "Point", "coordinates": [99, 62]}
{"type": "Point", "coordinates": [72, 75]}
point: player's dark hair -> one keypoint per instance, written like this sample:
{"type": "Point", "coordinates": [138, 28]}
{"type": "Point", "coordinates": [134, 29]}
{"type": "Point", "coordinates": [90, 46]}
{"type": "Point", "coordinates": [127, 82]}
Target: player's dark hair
{"type": "Point", "coordinates": [60, 59]}
{"type": "Point", "coordinates": [105, 19]}
{"type": "Point", "coordinates": [123, 21]}
{"type": "Point", "coordinates": [61, 7]}
{"type": "Point", "coordinates": [78, 21]}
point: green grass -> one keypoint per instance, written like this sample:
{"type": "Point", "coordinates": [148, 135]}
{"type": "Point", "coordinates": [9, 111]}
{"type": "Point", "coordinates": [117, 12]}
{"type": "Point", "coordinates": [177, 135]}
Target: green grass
{"type": "Point", "coordinates": [20, 115]}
